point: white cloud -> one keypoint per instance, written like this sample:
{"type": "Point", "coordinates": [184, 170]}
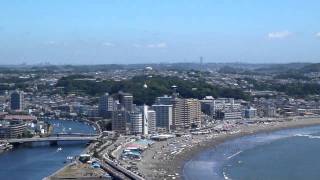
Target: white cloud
{"type": "Point", "coordinates": [108, 44]}
{"type": "Point", "coordinates": [153, 45]}
{"type": "Point", "coordinates": [52, 43]}
{"type": "Point", "coordinates": [279, 34]}
{"type": "Point", "coordinates": [318, 34]}
{"type": "Point", "coordinates": [157, 45]}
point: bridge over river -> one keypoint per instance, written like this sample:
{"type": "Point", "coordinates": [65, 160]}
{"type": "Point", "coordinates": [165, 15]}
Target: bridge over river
{"type": "Point", "coordinates": [54, 139]}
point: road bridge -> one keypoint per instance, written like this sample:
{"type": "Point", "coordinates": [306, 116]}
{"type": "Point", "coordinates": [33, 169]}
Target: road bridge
{"type": "Point", "coordinates": [73, 134]}
{"type": "Point", "coordinates": [53, 139]}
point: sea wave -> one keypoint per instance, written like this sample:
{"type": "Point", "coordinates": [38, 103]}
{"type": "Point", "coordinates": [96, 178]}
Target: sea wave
{"type": "Point", "coordinates": [235, 154]}
{"type": "Point", "coordinates": [225, 176]}
{"type": "Point", "coordinates": [308, 136]}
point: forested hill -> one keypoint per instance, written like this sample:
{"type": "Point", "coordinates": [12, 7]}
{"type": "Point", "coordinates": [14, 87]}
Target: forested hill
{"type": "Point", "coordinates": [157, 86]}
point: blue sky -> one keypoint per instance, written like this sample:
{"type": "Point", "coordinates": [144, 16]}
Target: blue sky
{"type": "Point", "coordinates": [140, 31]}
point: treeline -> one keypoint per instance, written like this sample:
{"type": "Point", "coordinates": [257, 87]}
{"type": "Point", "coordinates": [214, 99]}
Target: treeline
{"type": "Point", "coordinates": [234, 70]}
{"type": "Point", "coordinates": [292, 89]}
{"type": "Point", "coordinates": [298, 89]}
{"type": "Point", "coordinates": [12, 83]}
{"type": "Point", "coordinates": [156, 86]}
{"type": "Point", "coordinates": [311, 68]}
{"type": "Point", "coordinates": [292, 75]}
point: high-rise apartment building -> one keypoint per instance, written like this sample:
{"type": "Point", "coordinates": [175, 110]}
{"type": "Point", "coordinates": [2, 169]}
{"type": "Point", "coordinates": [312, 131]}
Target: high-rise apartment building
{"type": "Point", "coordinates": [17, 101]}
{"type": "Point", "coordinates": [163, 116]}
{"type": "Point", "coordinates": [106, 105]}
{"type": "Point", "coordinates": [186, 113]}
{"type": "Point", "coordinates": [126, 100]}
{"type": "Point", "coordinates": [136, 122]}
{"type": "Point", "coordinates": [119, 121]}
{"type": "Point", "coordinates": [145, 120]}
{"type": "Point", "coordinates": [151, 122]}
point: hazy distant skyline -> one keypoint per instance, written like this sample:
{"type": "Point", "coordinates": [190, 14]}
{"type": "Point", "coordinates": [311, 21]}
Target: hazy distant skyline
{"type": "Point", "coordinates": [147, 31]}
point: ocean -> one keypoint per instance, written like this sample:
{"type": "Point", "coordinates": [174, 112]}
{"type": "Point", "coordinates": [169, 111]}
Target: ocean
{"type": "Point", "coordinates": [292, 154]}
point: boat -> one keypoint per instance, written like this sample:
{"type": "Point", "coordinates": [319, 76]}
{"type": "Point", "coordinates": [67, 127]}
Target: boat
{"type": "Point", "coordinates": [69, 157]}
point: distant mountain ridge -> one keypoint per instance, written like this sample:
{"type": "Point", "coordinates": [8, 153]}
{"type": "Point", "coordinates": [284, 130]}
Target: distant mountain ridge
{"type": "Point", "coordinates": [311, 68]}
{"type": "Point", "coordinates": [238, 68]}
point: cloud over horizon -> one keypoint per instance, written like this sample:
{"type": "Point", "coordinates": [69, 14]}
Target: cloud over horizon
{"type": "Point", "coordinates": [279, 34]}
{"type": "Point", "coordinates": [152, 46]}
{"type": "Point", "coordinates": [158, 45]}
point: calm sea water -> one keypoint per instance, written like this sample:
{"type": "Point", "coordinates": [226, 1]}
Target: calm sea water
{"type": "Point", "coordinates": [292, 154]}
{"type": "Point", "coordinates": [38, 160]}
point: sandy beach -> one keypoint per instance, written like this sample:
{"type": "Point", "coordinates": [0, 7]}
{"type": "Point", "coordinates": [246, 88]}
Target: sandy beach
{"type": "Point", "coordinates": [165, 159]}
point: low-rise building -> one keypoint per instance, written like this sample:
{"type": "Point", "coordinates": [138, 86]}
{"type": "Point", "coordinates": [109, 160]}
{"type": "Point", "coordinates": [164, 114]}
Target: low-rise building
{"type": "Point", "coordinates": [250, 112]}
{"type": "Point", "coordinates": [11, 129]}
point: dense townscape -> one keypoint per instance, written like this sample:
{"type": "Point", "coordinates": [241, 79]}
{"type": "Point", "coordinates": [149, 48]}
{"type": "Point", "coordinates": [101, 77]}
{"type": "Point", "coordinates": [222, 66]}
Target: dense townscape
{"type": "Point", "coordinates": [150, 113]}
{"type": "Point", "coordinates": [159, 90]}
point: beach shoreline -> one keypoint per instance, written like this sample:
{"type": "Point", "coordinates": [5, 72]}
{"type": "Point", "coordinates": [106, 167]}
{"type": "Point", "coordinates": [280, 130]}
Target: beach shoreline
{"type": "Point", "coordinates": [158, 165]}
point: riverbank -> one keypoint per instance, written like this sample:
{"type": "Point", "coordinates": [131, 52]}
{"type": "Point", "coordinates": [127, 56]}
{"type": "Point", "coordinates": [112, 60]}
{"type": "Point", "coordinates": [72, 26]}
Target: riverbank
{"type": "Point", "coordinates": [165, 160]}
{"type": "Point", "coordinates": [28, 159]}
{"type": "Point", "coordinates": [5, 146]}
{"type": "Point", "coordinates": [61, 173]}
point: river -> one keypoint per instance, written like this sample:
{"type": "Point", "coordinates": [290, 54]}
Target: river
{"type": "Point", "coordinates": [37, 160]}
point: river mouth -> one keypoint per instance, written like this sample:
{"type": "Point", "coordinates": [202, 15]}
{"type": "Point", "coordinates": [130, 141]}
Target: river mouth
{"type": "Point", "coordinates": [34, 161]}
{"type": "Point", "coordinates": [255, 156]}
